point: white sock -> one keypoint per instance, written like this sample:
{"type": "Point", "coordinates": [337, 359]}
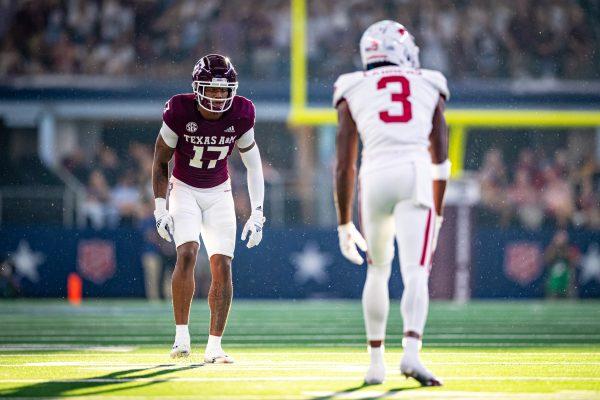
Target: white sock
{"type": "Point", "coordinates": [415, 298]}
{"type": "Point", "coordinates": [376, 300]}
{"type": "Point", "coordinates": [411, 345]}
{"type": "Point", "coordinates": [182, 334]}
{"type": "Point", "coordinates": [214, 343]}
{"type": "Point", "coordinates": [376, 354]}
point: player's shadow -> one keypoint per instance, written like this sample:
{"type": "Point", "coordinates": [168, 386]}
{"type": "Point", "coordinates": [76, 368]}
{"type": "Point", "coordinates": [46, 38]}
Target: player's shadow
{"type": "Point", "coordinates": [118, 380]}
{"type": "Point", "coordinates": [335, 395]}
{"type": "Point", "coordinates": [343, 393]}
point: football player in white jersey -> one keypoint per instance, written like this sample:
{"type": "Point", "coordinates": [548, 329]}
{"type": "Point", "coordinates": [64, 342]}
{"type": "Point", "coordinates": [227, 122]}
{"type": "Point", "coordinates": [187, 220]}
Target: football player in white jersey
{"type": "Point", "coordinates": [397, 110]}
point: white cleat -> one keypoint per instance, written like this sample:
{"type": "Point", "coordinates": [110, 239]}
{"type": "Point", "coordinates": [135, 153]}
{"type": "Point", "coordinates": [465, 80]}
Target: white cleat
{"type": "Point", "coordinates": [217, 358]}
{"type": "Point", "coordinates": [375, 374]}
{"type": "Point", "coordinates": [180, 351]}
{"type": "Point", "coordinates": [411, 367]}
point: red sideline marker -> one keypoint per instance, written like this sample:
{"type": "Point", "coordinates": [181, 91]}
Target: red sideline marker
{"type": "Point", "coordinates": [74, 289]}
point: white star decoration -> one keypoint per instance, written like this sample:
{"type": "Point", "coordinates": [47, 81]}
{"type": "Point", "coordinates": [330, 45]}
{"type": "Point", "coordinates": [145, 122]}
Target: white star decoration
{"type": "Point", "coordinates": [590, 265]}
{"type": "Point", "coordinates": [310, 264]}
{"type": "Point", "coordinates": [26, 261]}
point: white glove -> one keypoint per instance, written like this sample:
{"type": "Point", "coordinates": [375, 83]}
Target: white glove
{"type": "Point", "coordinates": [436, 233]}
{"type": "Point", "coordinates": [254, 227]}
{"type": "Point", "coordinates": [164, 222]}
{"type": "Point", "coordinates": [350, 237]}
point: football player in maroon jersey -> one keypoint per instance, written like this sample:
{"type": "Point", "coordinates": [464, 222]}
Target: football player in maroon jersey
{"type": "Point", "coordinates": [201, 129]}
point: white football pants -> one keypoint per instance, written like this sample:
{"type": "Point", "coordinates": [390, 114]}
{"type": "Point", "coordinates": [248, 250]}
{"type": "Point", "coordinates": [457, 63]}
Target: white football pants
{"type": "Point", "coordinates": [209, 213]}
{"type": "Point", "coordinates": [397, 202]}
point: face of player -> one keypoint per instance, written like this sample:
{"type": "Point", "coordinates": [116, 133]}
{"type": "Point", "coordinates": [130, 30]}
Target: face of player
{"type": "Point", "coordinates": [217, 93]}
{"type": "Point", "coordinates": [214, 93]}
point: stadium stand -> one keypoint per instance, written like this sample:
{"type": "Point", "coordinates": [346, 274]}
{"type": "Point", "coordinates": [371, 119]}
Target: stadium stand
{"type": "Point", "coordinates": [464, 39]}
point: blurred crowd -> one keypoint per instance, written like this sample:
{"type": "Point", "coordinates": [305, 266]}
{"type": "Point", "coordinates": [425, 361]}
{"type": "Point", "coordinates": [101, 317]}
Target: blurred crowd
{"type": "Point", "coordinates": [466, 38]}
{"type": "Point", "coordinates": [540, 191]}
{"type": "Point", "coordinates": [124, 37]}
{"type": "Point", "coordinates": [118, 186]}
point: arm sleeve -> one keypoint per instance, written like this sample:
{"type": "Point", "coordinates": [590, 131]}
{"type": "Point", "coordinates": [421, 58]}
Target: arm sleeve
{"type": "Point", "coordinates": [246, 139]}
{"type": "Point", "coordinates": [168, 135]}
{"type": "Point", "coordinates": [256, 183]}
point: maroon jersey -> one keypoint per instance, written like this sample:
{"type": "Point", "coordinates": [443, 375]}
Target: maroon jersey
{"type": "Point", "coordinates": [203, 146]}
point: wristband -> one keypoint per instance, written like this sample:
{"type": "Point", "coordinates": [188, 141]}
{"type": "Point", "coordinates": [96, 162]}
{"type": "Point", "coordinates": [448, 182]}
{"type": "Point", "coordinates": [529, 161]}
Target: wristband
{"type": "Point", "coordinates": [441, 172]}
{"type": "Point", "coordinates": [160, 204]}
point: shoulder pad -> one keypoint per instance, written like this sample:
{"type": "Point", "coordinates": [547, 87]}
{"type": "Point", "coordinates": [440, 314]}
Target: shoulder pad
{"type": "Point", "coordinates": [437, 80]}
{"type": "Point", "coordinates": [170, 111]}
{"type": "Point", "coordinates": [246, 113]}
{"type": "Point", "coordinates": [343, 84]}
{"type": "Point", "coordinates": [178, 109]}
{"type": "Point", "coordinates": [247, 109]}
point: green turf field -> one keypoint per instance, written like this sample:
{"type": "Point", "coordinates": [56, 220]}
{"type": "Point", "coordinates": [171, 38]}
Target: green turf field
{"type": "Point", "coordinates": [296, 350]}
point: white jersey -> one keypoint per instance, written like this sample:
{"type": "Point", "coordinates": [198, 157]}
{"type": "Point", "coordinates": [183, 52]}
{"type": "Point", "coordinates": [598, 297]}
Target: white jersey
{"type": "Point", "coordinates": [393, 109]}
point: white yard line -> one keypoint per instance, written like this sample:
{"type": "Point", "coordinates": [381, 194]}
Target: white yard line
{"type": "Point", "coordinates": [307, 337]}
{"type": "Point", "coordinates": [69, 347]}
{"type": "Point", "coordinates": [126, 351]}
{"type": "Point", "coordinates": [277, 364]}
{"type": "Point", "coordinates": [61, 345]}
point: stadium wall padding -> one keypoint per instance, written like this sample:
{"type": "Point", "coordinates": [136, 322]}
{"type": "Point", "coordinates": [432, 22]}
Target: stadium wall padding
{"type": "Point", "coordinates": [510, 263]}
{"type": "Point", "coordinates": [289, 263]}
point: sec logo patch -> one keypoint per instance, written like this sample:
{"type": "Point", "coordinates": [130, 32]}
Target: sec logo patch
{"type": "Point", "coordinates": [191, 127]}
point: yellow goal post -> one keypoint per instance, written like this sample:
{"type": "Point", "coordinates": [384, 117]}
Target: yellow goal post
{"type": "Point", "coordinates": [459, 120]}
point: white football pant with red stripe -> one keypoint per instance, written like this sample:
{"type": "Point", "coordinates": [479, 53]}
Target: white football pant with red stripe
{"type": "Point", "coordinates": [397, 202]}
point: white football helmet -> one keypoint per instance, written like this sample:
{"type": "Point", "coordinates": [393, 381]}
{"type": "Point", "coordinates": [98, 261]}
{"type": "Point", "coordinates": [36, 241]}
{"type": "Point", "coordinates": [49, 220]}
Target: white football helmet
{"type": "Point", "coordinates": [388, 41]}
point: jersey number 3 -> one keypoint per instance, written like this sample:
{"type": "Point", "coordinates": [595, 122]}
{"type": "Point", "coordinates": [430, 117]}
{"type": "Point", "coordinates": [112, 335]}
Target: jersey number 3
{"type": "Point", "coordinates": [397, 97]}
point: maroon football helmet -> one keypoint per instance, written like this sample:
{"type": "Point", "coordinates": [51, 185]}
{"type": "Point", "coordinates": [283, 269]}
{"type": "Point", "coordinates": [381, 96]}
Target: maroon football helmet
{"type": "Point", "coordinates": [216, 71]}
